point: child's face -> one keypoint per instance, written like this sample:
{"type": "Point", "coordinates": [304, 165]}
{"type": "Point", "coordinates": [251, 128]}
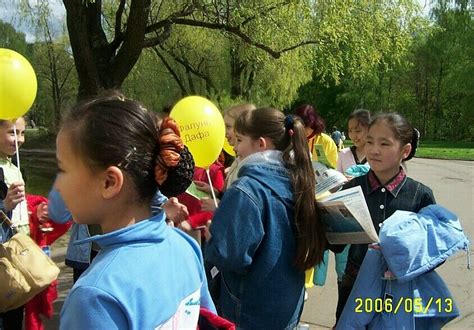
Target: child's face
{"type": "Point", "coordinates": [77, 184]}
{"type": "Point", "coordinates": [229, 129]}
{"type": "Point", "coordinates": [357, 132]}
{"type": "Point", "coordinates": [384, 151]}
{"type": "Point", "coordinates": [245, 146]}
{"type": "Point", "coordinates": [7, 136]}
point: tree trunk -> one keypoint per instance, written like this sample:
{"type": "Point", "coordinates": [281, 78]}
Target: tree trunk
{"type": "Point", "coordinates": [236, 69]}
{"type": "Point", "coordinates": [101, 65]}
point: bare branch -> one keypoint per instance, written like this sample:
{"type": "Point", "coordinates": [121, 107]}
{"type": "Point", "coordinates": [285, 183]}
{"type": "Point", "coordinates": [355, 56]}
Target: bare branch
{"type": "Point", "coordinates": [118, 21]}
{"type": "Point", "coordinates": [160, 38]}
{"type": "Point", "coordinates": [242, 35]}
{"type": "Point", "coordinates": [171, 71]}
{"type": "Point", "coordinates": [190, 68]}
{"type": "Point", "coordinates": [232, 29]}
{"type": "Point", "coordinates": [263, 12]}
{"type": "Point", "coordinates": [303, 43]}
{"type": "Point", "coordinates": [182, 13]}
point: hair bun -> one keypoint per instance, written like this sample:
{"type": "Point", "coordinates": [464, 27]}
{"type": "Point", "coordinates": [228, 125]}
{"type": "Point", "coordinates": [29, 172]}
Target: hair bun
{"type": "Point", "coordinates": [179, 177]}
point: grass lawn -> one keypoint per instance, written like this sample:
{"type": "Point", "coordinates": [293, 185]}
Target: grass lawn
{"type": "Point", "coordinates": [446, 150]}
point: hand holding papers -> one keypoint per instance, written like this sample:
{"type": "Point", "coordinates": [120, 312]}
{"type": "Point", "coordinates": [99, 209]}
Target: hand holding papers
{"type": "Point", "coordinates": [195, 192]}
{"type": "Point", "coordinates": [327, 179]}
{"type": "Point", "coordinates": [347, 218]}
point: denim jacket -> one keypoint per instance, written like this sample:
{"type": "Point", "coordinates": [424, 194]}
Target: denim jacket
{"type": "Point", "coordinates": [253, 245]}
{"type": "Point", "coordinates": [78, 255]}
{"type": "Point", "coordinates": [400, 193]}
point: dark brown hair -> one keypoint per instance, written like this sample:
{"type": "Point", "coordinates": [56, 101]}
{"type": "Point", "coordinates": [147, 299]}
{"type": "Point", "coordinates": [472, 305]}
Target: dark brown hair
{"type": "Point", "coordinates": [288, 135]}
{"type": "Point", "coordinates": [401, 128]}
{"type": "Point", "coordinates": [111, 130]}
{"type": "Point", "coordinates": [362, 116]}
{"type": "Point", "coordinates": [311, 118]}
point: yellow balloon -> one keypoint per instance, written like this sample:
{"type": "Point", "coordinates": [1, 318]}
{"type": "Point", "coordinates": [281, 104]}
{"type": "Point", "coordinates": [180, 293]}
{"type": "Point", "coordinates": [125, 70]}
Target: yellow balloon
{"type": "Point", "coordinates": [202, 128]}
{"type": "Point", "coordinates": [17, 84]}
{"type": "Point", "coordinates": [228, 148]}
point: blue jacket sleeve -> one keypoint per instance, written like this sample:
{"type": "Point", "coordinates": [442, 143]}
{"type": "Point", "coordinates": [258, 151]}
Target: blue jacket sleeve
{"type": "Point", "coordinates": [57, 209]}
{"type": "Point", "coordinates": [91, 308]}
{"type": "Point", "coordinates": [236, 232]}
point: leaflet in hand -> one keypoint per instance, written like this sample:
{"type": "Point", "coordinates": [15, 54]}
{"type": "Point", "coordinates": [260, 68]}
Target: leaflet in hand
{"type": "Point", "coordinates": [327, 179]}
{"type": "Point", "coordinates": [318, 152]}
{"type": "Point", "coordinates": [347, 218]}
{"type": "Point", "coordinates": [195, 192]}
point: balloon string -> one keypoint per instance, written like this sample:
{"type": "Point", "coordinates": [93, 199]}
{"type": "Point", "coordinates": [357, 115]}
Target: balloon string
{"type": "Point", "coordinates": [212, 188]}
{"type": "Point", "coordinates": [17, 153]}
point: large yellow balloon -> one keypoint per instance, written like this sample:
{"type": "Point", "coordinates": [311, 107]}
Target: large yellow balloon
{"type": "Point", "coordinates": [17, 84]}
{"type": "Point", "coordinates": [202, 128]}
{"type": "Point", "coordinates": [228, 148]}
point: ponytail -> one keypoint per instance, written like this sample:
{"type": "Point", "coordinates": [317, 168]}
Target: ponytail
{"type": "Point", "coordinates": [415, 140]}
{"type": "Point", "coordinates": [310, 236]}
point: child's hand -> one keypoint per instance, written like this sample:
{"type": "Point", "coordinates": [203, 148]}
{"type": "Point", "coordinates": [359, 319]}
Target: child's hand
{"type": "Point", "coordinates": [15, 195]}
{"type": "Point", "coordinates": [175, 211]}
{"type": "Point", "coordinates": [374, 246]}
{"type": "Point", "coordinates": [42, 212]}
{"type": "Point", "coordinates": [207, 233]}
{"type": "Point", "coordinates": [207, 204]}
{"type": "Point", "coordinates": [185, 226]}
{"type": "Point", "coordinates": [203, 186]}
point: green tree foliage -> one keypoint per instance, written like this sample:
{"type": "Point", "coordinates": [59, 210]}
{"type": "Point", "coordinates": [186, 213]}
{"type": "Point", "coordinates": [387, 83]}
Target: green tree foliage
{"type": "Point", "coordinates": [430, 82]}
{"type": "Point", "coordinates": [12, 39]}
{"type": "Point", "coordinates": [53, 63]}
{"type": "Point", "coordinates": [362, 42]}
{"type": "Point", "coordinates": [442, 74]}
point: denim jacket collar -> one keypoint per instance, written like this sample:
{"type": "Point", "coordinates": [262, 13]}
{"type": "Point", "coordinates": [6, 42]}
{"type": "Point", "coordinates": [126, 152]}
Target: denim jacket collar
{"type": "Point", "coordinates": [393, 185]}
{"type": "Point", "coordinates": [270, 157]}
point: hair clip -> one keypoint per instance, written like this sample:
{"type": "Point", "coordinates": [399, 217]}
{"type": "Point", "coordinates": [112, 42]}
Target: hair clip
{"type": "Point", "coordinates": [126, 161]}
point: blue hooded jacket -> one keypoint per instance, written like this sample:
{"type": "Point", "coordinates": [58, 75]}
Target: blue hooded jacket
{"type": "Point", "coordinates": [145, 276]}
{"type": "Point", "coordinates": [78, 255]}
{"type": "Point", "coordinates": [411, 247]}
{"type": "Point", "coordinates": [254, 247]}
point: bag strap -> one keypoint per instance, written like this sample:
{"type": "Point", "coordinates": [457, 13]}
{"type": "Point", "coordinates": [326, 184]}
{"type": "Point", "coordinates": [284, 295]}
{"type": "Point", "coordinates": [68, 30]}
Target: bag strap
{"type": "Point", "coordinates": [5, 219]}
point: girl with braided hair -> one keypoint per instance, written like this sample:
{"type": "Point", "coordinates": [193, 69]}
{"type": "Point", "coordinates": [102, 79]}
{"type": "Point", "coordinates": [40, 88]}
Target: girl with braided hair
{"type": "Point", "coordinates": [113, 149]}
{"type": "Point", "coordinates": [266, 231]}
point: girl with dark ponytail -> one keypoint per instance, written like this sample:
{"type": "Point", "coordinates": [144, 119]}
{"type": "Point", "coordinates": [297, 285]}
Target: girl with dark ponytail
{"type": "Point", "coordinates": [391, 140]}
{"type": "Point", "coordinates": [266, 231]}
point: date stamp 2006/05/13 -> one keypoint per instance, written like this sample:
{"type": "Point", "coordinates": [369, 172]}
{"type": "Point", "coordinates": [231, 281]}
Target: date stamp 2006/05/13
{"type": "Point", "coordinates": [404, 304]}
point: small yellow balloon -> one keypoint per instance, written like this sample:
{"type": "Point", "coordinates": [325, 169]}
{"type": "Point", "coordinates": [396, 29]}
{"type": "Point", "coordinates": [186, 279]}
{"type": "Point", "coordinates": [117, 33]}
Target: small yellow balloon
{"type": "Point", "coordinates": [17, 84]}
{"type": "Point", "coordinates": [228, 148]}
{"type": "Point", "coordinates": [202, 128]}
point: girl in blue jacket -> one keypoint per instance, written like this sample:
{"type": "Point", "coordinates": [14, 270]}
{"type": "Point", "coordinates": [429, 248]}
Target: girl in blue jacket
{"type": "Point", "coordinates": [112, 156]}
{"type": "Point", "coordinates": [266, 232]}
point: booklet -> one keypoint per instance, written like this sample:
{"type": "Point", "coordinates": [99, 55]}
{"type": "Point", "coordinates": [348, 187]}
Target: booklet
{"type": "Point", "coordinates": [327, 179]}
{"type": "Point", "coordinates": [195, 192]}
{"type": "Point", "coordinates": [347, 218]}
{"type": "Point", "coordinates": [318, 152]}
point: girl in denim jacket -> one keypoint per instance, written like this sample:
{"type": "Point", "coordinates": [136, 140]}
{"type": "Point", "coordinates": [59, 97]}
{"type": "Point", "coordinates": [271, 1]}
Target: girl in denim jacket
{"type": "Point", "coordinates": [266, 231]}
{"type": "Point", "coordinates": [391, 140]}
